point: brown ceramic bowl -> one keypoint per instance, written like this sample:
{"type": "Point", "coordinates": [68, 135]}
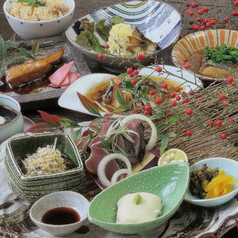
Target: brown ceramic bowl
{"type": "Point", "coordinates": [196, 43]}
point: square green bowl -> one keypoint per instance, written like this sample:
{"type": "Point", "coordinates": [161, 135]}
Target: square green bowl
{"type": "Point", "coordinates": [170, 182]}
{"type": "Point", "coordinates": [33, 187]}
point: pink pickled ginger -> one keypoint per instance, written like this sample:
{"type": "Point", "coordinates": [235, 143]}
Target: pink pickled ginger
{"type": "Point", "coordinates": [63, 77]}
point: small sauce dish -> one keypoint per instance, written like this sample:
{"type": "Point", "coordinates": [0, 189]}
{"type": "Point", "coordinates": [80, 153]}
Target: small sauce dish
{"type": "Point", "coordinates": [60, 213]}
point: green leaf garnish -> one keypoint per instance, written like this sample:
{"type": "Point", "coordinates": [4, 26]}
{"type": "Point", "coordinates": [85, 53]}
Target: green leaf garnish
{"type": "Point", "coordinates": [76, 134]}
{"type": "Point", "coordinates": [164, 144]}
{"type": "Point", "coordinates": [3, 47]}
{"type": "Point", "coordinates": [119, 95]}
{"type": "Point", "coordinates": [161, 127]}
{"type": "Point", "coordinates": [33, 2]}
{"type": "Point", "coordinates": [88, 104]}
{"type": "Point", "coordinates": [35, 48]}
{"type": "Point", "coordinates": [88, 40]}
{"type": "Point", "coordinates": [172, 120]}
{"type": "Point", "coordinates": [26, 53]}
{"type": "Point", "coordinates": [102, 29]}
{"type": "Point", "coordinates": [68, 123]}
{"type": "Point", "coordinates": [117, 19]}
{"type": "Point", "coordinates": [223, 53]}
{"type": "Point", "coordinates": [11, 51]}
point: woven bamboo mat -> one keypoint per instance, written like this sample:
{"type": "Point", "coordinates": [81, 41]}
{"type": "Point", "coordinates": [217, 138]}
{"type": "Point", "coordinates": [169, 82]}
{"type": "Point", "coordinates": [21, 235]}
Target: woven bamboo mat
{"type": "Point", "coordinates": [205, 141]}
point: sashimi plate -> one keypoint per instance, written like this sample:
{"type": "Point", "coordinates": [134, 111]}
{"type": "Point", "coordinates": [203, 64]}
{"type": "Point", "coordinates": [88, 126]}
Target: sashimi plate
{"type": "Point", "coordinates": [70, 100]}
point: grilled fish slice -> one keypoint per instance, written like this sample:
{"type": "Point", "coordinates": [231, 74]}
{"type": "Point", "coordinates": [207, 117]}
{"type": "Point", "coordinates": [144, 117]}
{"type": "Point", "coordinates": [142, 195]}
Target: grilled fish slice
{"type": "Point", "coordinates": [31, 70]}
{"type": "Point", "coordinates": [136, 33]}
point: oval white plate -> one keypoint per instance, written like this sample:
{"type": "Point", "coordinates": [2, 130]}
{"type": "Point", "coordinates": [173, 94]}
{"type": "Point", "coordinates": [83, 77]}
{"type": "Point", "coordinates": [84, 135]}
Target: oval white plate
{"type": "Point", "coordinates": [69, 99]}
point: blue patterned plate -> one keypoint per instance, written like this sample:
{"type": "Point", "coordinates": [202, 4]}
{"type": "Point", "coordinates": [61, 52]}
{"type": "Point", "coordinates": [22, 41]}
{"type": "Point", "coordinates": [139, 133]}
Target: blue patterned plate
{"type": "Point", "coordinates": [158, 21]}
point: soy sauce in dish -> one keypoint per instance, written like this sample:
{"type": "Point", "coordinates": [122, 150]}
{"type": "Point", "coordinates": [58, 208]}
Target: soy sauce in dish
{"type": "Point", "coordinates": [7, 113]}
{"type": "Point", "coordinates": [60, 216]}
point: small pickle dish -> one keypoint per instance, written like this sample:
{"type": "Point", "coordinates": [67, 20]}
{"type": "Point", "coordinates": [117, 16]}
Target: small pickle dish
{"type": "Point", "coordinates": [32, 187]}
{"type": "Point", "coordinates": [230, 167]}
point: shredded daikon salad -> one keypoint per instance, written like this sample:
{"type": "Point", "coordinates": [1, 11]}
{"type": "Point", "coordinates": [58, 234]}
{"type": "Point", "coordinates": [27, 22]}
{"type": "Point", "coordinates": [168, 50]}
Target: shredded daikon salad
{"type": "Point", "coordinates": [46, 160]}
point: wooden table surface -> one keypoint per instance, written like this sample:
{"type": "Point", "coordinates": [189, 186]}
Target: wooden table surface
{"type": "Point", "coordinates": [83, 8]}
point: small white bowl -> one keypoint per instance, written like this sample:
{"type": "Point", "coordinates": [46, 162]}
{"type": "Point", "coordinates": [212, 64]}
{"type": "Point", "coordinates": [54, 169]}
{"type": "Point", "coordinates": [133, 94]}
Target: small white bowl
{"type": "Point", "coordinates": [28, 30]}
{"type": "Point", "coordinates": [231, 168]}
{"type": "Point", "coordinates": [70, 199]}
{"type": "Point", "coordinates": [14, 126]}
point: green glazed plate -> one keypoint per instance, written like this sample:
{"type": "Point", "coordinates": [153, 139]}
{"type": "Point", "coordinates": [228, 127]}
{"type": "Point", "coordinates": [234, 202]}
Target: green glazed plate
{"type": "Point", "coordinates": [170, 182]}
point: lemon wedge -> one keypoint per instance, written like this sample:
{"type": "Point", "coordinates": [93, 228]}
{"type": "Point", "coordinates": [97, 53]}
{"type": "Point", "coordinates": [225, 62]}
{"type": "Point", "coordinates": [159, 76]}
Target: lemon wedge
{"type": "Point", "coordinates": [173, 156]}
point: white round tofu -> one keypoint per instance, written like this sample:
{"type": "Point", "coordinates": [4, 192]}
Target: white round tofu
{"type": "Point", "coordinates": [138, 207]}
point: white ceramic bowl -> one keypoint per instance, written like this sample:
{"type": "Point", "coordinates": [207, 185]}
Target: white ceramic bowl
{"type": "Point", "coordinates": [69, 199]}
{"type": "Point", "coordinates": [158, 21]}
{"type": "Point", "coordinates": [28, 30]}
{"type": "Point", "coordinates": [231, 168]}
{"type": "Point", "coordinates": [14, 126]}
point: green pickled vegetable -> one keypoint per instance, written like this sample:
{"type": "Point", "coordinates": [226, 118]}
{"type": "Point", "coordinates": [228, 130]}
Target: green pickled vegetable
{"type": "Point", "coordinates": [223, 53]}
{"type": "Point", "coordinates": [198, 176]}
{"type": "Point", "coordinates": [88, 39]}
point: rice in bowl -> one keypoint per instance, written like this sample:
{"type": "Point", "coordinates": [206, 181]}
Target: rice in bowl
{"type": "Point", "coordinates": [45, 10]}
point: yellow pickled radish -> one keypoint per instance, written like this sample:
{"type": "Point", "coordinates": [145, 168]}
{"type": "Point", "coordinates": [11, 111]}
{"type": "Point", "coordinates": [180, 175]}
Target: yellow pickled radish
{"type": "Point", "coordinates": [219, 186]}
{"type": "Point", "coordinates": [173, 155]}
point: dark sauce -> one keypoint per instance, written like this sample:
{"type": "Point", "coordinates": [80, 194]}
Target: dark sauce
{"type": "Point", "coordinates": [61, 216]}
{"type": "Point", "coordinates": [8, 113]}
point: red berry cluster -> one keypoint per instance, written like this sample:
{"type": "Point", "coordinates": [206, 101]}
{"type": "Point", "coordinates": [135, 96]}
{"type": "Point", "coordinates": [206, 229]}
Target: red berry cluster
{"type": "Point", "coordinates": [132, 72]}
{"type": "Point", "coordinates": [208, 16]}
{"type": "Point", "coordinates": [187, 100]}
